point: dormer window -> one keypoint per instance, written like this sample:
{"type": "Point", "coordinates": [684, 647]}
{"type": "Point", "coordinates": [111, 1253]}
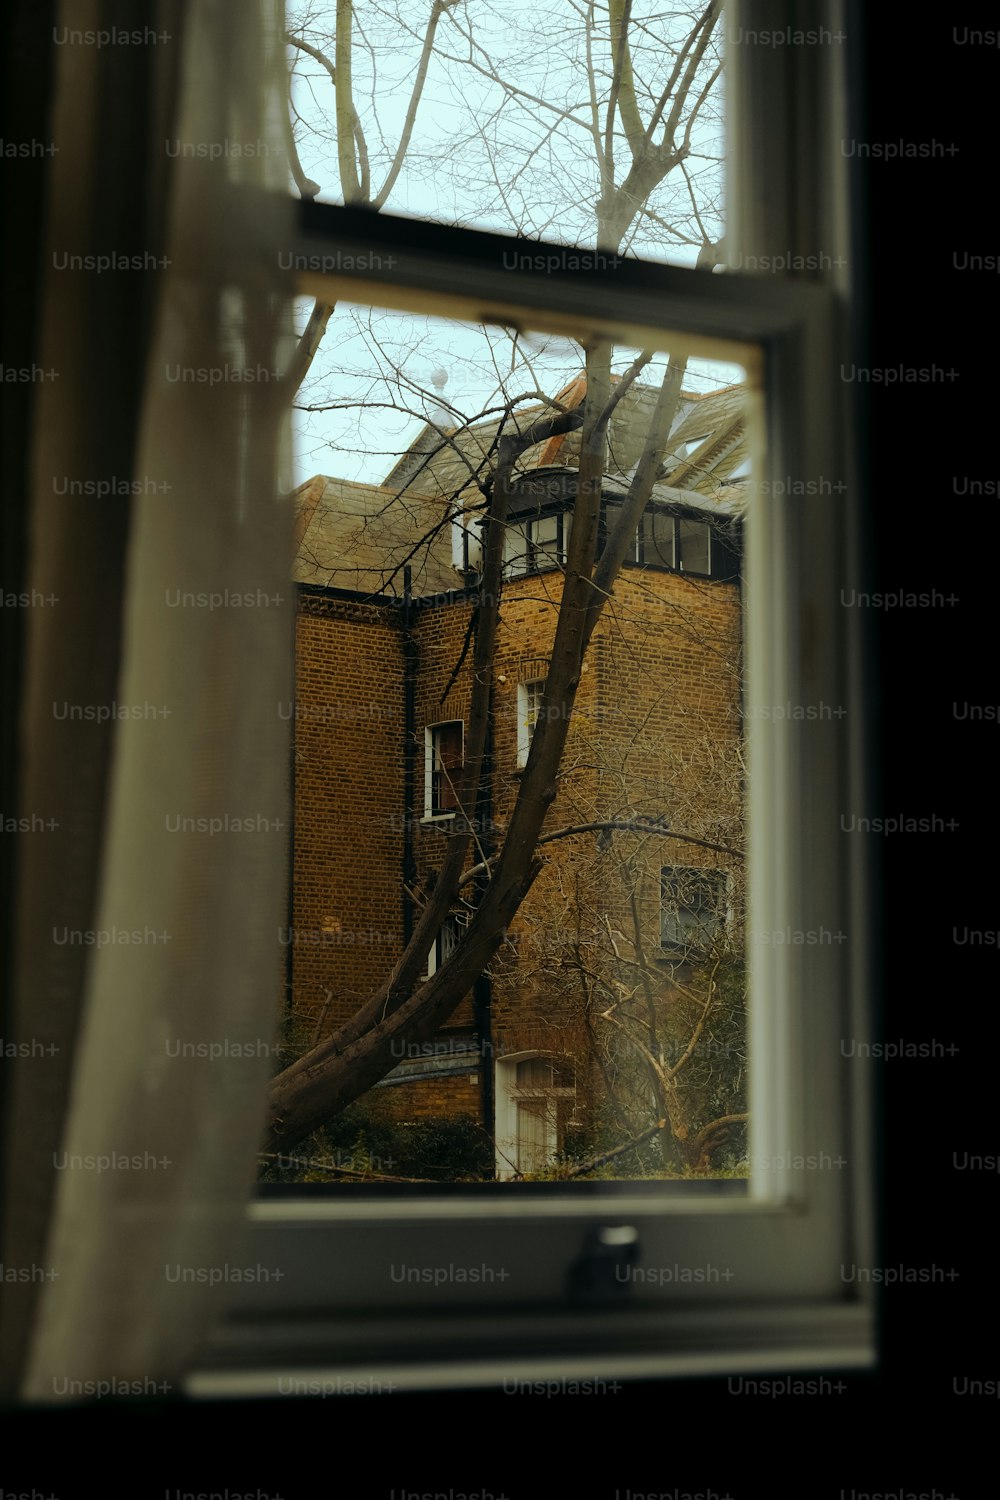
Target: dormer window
{"type": "Point", "coordinates": [686, 544]}
{"type": "Point", "coordinates": [535, 542]}
{"type": "Point", "coordinates": [676, 542]}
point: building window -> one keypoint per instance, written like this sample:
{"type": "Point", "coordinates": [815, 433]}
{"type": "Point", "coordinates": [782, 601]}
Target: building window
{"type": "Point", "coordinates": [694, 547]}
{"type": "Point", "coordinates": [786, 1290]}
{"type": "Point", "coordinates": [692, 910]}
{"type": "Point", "coordinates": [535, 542]}
{"type": "Point", "coordinates": [529, 703]}
{"type": "Point", "coordinates": [445, 943]}
{"type": "Point", "coordinates": [443, 756]}
{"type": "Point", "coordinates": [535, 1098]}
{"type": "Point", "coordinates": [679, 543]}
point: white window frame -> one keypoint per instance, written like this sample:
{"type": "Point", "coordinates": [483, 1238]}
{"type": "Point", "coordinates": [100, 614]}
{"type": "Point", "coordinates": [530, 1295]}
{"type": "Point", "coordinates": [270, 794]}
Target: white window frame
{"type": "Point", "coordinates": [525, 564]}
{"type": "Point", "coordinates": [671, 950]}
{"type": "Point", "coordinates": [507, 1101]}
{"type": "Point", "coordinates": [436, 956]}
{"type": "Point", "coordinates": [677, 563]}
{"type": "Point", "coordinates": [785, 1306]}
{"type": "Point", "coordinates": [430, 816]}
{"type": "Point", "coordinates": [526, 727]}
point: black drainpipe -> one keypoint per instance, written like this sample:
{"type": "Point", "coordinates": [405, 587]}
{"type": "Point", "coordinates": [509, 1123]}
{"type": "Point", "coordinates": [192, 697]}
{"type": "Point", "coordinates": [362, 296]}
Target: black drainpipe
{"type": "Point", "coordinates": [409, 752]}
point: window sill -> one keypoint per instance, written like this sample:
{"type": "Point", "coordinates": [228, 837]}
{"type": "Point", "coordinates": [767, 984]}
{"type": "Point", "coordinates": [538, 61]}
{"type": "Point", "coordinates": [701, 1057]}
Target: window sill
{"type": "Point", "coordinates": [309, 1356]}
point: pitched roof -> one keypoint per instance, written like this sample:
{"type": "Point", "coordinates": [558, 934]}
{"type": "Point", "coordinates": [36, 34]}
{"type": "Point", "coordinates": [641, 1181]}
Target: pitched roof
{"type": "Point", "coordinates": [359, 536]}
{"type": "Point", "coordinates": [442, 462]}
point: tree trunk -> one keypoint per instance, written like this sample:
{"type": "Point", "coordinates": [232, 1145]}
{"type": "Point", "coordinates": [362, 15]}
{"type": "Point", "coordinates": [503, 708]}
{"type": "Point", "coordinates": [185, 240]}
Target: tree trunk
{"type": "Point", "coordinates": [341, 1069]}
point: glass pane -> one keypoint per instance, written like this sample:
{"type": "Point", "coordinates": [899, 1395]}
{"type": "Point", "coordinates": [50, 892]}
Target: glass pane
{"type": "Point", "coordinates": [534, 1073]}
{"type": "Point", "coordinates": [448, 940]}
{"type": "Point", "coordinates": [693, 914]}
{"type": "Point", "coordinates": [535, 1145]}
{"type": "Point", "coordinates": [499, 116]}
{"type": "Point", "coordinates": [613, 997]}
{"type": "Point", "coordinates": [695, 542]}
{"type": "Point", "coordinates": [660, 528]}
{"type": "Point", "coordinates": [529, 702]}
{"type": "Point", "coordinates": [447, 762]}
{"type": "Point", "coordinates": [545, 533]}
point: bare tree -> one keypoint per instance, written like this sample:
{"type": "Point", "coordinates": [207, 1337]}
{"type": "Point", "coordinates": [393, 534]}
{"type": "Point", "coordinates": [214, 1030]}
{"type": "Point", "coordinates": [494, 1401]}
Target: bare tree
{"type": "Point", "coordinates": [353, 155]}
{"type": "Point", "coordinates": [651, 126]}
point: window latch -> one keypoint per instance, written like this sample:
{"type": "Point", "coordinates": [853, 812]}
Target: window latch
{"type": "Point", "coordinates": [603, 1270]}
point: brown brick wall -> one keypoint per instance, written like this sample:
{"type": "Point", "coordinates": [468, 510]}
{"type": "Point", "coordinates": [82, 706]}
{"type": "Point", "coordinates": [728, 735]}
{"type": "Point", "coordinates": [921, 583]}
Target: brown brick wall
{"type": "Point", "coordinates": [434, 1098]}
{"type": "Point", "coordinates": [347, 914]}
{"type": "Point", "coordinates": [655, 734]}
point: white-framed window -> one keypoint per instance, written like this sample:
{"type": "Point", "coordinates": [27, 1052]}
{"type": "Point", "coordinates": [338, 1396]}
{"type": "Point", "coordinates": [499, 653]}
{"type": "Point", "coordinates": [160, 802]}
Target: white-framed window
{"type": "Point", "coordinates": [534, 543]}
{"type": "Point", "coordinates": [777, 1297]}
{"type": "Point", "coordinates": [535, 1096]}
{"type": "Point", "coordinates": [692, 910]}
{"type": "Point", "coordinates": [679, 543]}
{"type": "Point", "coordinates": [443, 756]}
{"type": "Point", "coordinates": [658, 539]}
{"type": "Point", "coordinates": [445, 943]}
{"type": "Point", "coordinates": [529, 703]}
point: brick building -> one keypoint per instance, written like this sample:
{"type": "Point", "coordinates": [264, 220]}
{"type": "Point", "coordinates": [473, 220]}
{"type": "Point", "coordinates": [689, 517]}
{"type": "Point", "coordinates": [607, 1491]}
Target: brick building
{"type": "Point", "coordinates": [384, 578]}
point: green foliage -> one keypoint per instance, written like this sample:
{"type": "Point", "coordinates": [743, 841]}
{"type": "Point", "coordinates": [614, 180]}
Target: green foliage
{"type": "Point", "coordinates": [368, 1143]}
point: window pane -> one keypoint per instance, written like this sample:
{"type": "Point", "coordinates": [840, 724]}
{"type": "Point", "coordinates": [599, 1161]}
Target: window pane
{"type": "Point", "coordinates": [660, 540]}
{"type": "Point", "coordinates": [693, 913]}
{"type": "Point", "coordinates": [545, 83]}
{"type": "Point", "coordinates": [610, 992]}
{"type": "Point", "coordinates": [448, 940]}
{"type": "Point", "coordinates": [517, 554]}
{"type": "Point", "coordinates": [695, 542]}
{"type": "Point", "coordinates": [546, 542]}
{"type": "Point", "coordinates": [447, 763]}
{"type": "Point", "coordinates": [529, 702]}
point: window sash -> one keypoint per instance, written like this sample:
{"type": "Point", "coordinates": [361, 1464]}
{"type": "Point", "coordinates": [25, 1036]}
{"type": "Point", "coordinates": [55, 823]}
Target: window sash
{"type": "Point", "coordinates": [692, 908]}
{"type": "Point", "coordinates": [529, 703]}
{"type": "Point", "coordinates": [658, 540]}
{"type": "Point", "coordinates": [786, 1305]}
{"type": "Point", "coordinates": [443, 946]}
{"type": "Point", "coordinates": [794, 554]}
{"type": "Point", "coordinates": [694, 546]}
{"type": "Point", "coordinates": [444, 750]}
{"type": "Point", "coordinates": [534, 543]}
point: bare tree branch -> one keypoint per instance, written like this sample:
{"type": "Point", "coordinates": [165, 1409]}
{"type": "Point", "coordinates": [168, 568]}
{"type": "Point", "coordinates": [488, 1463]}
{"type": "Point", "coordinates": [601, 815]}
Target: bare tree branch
{"type": "Point", "coordinates": [582, 1168]}
{"type": "Point", "coordinates": [611, 825]}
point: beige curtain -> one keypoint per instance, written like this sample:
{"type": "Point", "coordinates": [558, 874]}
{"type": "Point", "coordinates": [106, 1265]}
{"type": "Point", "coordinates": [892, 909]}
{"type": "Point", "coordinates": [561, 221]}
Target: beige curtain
{"type": "Point", "coordinates": [148, 915]}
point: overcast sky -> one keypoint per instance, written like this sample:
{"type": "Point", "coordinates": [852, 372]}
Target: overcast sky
{"type": "Point", "coordinates": [484, 156]}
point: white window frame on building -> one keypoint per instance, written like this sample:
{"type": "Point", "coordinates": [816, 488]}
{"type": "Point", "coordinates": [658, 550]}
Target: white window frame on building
{"type": "Point", "coordinates": [518, 1097]}
{"type": "Point", "coordinates": [779, 1301]}
{"type": "Point", "coordinates": [652, 549]}
{"type": "Point", "coordinates": [536, 542]}
{"type": "Point", "coordinates": [445, 943]}
{"type": "Point", "coordinates": [529, 703]}
{"type": "Point", "coordinates": [433, 771]}
{"type": "Point", "coordinates": [692, 909]}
